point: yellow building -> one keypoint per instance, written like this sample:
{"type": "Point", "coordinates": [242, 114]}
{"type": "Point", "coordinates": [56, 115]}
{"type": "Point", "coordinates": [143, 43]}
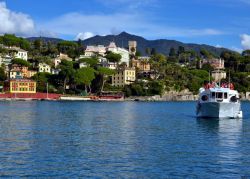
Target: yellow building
{"type": "Point", "coordinates": [124, 77]}
{"type": "Point", "coordinates": [22, 86]}
{"type": "Point", "coordinates": [142, 64]}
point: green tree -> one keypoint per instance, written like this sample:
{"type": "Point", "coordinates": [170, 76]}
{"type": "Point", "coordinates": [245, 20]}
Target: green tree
{"type": "Point", "coordinates": [42, 80]}
{"type": "Point", "coordinates": [92, 62]}
{"type": "Point", "coordinates": [20, 61]}
{"type": "Point", "coordinates": [138, 53]}
{"type": "Point", "coordinates": [38, 44]}
{"type": "Point", "coordinates": [181, 50]}
{"type": "Point", "coordinates": [67, 71]}
{"type": "Point", "coordinates": [85, 76]}
{"type": "Point", "coordinates": [246, 53]}
{"type": "Point", "coordinates": [153, 51]}
{"type": "Point", "coordinates": [2, 74]}
{"type": "Point", "coordinates": [148, 51]}
{"type": "Point", "coordinates": [172, 52]}
{"type": "Point", "coordinates": [113, 57]}
{"type": "Point", "coordinates": [105, 73]}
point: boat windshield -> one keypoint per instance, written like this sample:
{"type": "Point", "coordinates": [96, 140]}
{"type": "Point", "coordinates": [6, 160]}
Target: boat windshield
{"type": "Point", "coordinates": [213, 94]}
{"type": "Point", "coordinates": [219, 95]}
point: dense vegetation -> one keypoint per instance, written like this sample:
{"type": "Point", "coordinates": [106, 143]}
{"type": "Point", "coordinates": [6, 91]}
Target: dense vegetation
{"type": "Point", "coordinates": [176, 71]}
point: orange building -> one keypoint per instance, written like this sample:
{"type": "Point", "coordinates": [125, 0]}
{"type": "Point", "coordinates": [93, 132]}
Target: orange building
{"type": "Point", "coordinates": [20, 86]}
{"type": "Point", "coordinates": [23, 69]}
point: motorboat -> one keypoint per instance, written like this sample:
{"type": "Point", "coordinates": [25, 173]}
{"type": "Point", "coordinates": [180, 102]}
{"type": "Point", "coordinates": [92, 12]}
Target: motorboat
{"type": "Point", "coordinates": [218, 101]}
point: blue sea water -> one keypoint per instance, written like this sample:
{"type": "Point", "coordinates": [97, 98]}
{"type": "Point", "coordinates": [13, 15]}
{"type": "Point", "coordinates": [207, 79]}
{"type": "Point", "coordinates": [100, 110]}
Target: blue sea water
{"type": "Point", "coordinates": [40, 139]}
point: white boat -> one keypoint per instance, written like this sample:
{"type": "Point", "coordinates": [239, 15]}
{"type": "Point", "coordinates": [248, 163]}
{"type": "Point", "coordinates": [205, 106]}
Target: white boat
{"type": "Point", "coordinates": [218, 102]}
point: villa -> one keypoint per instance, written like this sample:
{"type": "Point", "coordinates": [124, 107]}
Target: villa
{"type": "Point", "coordinates": [124, 76]}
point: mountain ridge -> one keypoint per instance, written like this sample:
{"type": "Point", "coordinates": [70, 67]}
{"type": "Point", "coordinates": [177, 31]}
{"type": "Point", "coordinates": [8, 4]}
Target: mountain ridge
{"type": "Point", "coordinates": [160, 45]}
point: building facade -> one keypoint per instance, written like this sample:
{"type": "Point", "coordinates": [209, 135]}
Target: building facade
{"type": "Point", "coordinates": [19, 68]}
{"type": "Point", "coordinates": [142, 63]}
{"type": "Point", "coordinates": [123, 52]}
{"type": "Point", "coordinates": [125, 76]}
{"type": "Point", "coordinates": [16, 74]}
{"type": "Point", "coordinates": [21, 86]}
{"type": "Point", "coordinates": [43, 67]}
{"type": "Point", "coordinates": [93, 50]}
{"type": "Point", "coordinates": [218, 75]}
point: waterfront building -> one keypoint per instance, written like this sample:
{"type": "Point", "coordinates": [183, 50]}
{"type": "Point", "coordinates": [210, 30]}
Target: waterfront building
{"type": "Point", "coordinates": [20, 86]}
{"type": "Point", "coordinates": [43, 67]}
{"type": "Point", "coordinates": [124, 76]}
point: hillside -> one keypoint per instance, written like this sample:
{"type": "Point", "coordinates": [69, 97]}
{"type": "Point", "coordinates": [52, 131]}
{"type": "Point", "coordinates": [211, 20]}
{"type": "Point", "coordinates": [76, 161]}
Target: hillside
{"type": "Point", "coordinates": [161, 45]}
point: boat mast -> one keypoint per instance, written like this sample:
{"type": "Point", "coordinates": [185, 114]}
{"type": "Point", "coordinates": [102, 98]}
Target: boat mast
{"type": "Point", "coordinates": [229, 80]}
{"type": "Point", "coordinates": [209, 77]}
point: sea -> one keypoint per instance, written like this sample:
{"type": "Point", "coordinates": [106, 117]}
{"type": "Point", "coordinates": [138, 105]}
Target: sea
{"type": "Point", "coordinates": [55, 139]}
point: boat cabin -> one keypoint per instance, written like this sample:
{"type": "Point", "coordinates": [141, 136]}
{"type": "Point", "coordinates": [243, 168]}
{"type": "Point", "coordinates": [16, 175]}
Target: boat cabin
{"type": "Point", "coordinates": [219, 95]}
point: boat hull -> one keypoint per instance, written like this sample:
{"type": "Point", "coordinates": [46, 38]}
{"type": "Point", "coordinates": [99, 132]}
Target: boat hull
{"type": "Point", "coordinates": [219, 110]}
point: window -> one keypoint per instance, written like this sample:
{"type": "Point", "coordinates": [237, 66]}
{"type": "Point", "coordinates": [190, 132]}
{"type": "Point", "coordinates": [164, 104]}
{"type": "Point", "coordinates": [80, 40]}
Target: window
{"type": "Point", "coordinates": [213, 94]}
{"type": "Point", "coordinates": [225, 95]}
{"type": "Point", "coordinates": [219, 95]}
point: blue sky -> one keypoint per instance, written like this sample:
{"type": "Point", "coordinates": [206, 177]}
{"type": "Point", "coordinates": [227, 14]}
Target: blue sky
{"type": "Point", "coordinates": [216, 22]}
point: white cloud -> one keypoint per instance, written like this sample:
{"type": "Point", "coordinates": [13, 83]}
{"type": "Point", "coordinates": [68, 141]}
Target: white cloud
{"type": "Point", "coordinates": [84, 35]}
{"type": "Point", "coordinates": [245, 41]}
{"type": "Point", "coordinates": [16, 23]}
{"type": "Point", "coordinates": [236, 49]}
{"type": "Point", "coordinates": [73, 23]}
{"type": "Point", "coordinates": [218, 46]}
{"type": "Point", "coordinates": [130, 4]}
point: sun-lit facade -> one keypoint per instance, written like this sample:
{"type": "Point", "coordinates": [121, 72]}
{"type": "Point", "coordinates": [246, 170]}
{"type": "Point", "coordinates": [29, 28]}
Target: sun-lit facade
{"type": "Point", "coordinates": [21, 86]}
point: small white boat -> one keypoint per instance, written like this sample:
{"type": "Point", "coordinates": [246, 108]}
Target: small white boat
{"type": "Point", "coordinates": [218, 102]}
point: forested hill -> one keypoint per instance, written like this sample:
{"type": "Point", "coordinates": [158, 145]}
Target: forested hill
{"type": "Point", "coordinates": [161, 46]}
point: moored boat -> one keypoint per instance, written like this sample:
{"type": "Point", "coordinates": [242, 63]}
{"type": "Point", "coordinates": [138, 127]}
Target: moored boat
{"type": "Point", "coordinates": [218, 102]}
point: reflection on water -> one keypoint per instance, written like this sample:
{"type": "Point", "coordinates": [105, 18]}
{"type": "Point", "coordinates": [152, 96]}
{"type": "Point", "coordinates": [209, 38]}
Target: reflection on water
{"type": "Point", "coordinates": [228, 134]}
{"type": "Point", "coordinates": [119, 140]}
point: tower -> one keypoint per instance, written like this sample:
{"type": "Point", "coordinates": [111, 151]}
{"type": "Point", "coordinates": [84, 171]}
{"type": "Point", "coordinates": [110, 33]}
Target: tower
{"type": "Point", "coordinates": [132, 47]}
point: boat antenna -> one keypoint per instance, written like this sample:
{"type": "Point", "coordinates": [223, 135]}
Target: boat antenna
{"type": "Point", "coordinates": [209, 76]}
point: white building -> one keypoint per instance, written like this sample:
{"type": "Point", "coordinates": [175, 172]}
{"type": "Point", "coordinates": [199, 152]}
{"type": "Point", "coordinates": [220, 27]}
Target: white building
{"type": "Point", "coordinates": [123, 52]}
{"type": "Point", "coordinates": [82, 65]}
{"type": "Point", "coordinates": [57, 62]}
{"type": "Point", "coordinates": [43, 67]}
{"type": "Point", "coordinates": [19, 53]}
{"type": "Point", "coordinates": [61, 57]}
{"type": "Point", "coordinates": [101, 50]}
{"type": "Point", "coordinates": [93, 50]}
